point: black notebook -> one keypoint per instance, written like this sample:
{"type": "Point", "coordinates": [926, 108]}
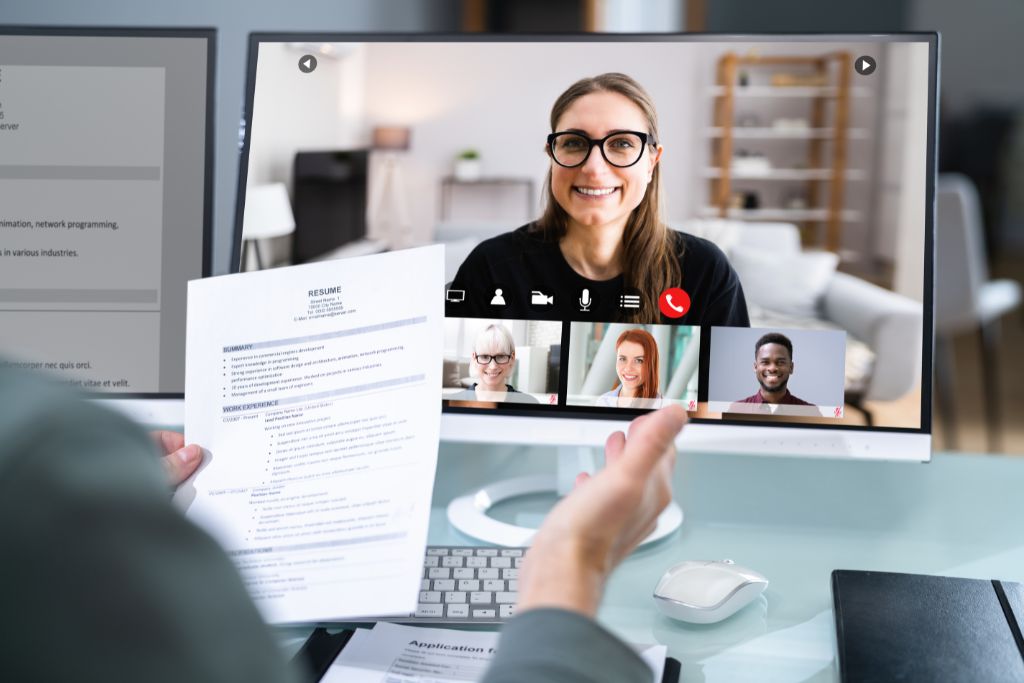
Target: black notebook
{"type": "Point", "coordinates": [910, 627]}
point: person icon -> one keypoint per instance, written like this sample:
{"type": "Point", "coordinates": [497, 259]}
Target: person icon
{"type": "Point", "coordinates": [498, 299]}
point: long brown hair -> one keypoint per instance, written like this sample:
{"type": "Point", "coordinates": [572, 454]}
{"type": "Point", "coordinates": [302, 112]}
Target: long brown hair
{"type": "Point", "coordinates": [649, 262]}
{"type": "Point", "coordinates": [649, 386]}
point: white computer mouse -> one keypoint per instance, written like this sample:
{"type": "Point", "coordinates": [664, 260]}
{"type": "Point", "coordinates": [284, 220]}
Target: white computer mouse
{"type": "Point", "coordinates": [706, 591]}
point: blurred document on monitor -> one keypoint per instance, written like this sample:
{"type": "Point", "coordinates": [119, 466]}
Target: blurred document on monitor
{"type": "Point", "coordinates": [104, 187]}
{"type": "Point", "coordinates": [313, 390]}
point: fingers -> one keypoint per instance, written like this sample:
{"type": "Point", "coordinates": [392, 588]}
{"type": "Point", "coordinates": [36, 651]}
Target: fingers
{"type": "Point", "coordinates": [651, 438]}
{"type": "Point", "coordinates": [180, 464]}
{"type": "Point", "coordinates": [613, 447]}
{"type": "Point", "coordinates": [167, 441]}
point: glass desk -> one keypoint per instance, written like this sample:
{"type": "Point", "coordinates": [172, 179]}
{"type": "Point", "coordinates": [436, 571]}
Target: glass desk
{"type": "Point", "coordinates": [794, 520]}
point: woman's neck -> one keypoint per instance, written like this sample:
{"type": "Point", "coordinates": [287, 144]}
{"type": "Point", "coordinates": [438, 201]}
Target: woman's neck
{"type": "Point", "coordinates": [625, 392]}
{"type": "Point", "coordinates": [595, 252]}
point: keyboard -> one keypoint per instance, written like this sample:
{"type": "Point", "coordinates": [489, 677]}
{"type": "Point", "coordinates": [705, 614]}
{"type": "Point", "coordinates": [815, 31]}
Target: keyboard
{"type": "Point", "coordinates": [467, 585]}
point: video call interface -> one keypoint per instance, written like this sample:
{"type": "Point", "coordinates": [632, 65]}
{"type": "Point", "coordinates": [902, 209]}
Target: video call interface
{"type": "Point", "coordinates": [773, 195]}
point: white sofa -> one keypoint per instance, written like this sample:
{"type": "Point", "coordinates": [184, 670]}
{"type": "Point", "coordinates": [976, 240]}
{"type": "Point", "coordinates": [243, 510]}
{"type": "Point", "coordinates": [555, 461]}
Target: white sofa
{"type": "Point", "coordinates": [884, 329]}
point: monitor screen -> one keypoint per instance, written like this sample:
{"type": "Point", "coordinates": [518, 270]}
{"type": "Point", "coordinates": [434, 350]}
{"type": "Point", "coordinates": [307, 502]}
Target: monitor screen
{"type": "Point", "coordinates": [105, 202]}
{"type": "Point", "coordinates": [741, 225]}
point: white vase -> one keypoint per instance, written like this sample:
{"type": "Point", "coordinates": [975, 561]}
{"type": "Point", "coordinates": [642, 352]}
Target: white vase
{"type": "Point", "coordinates": [467, 170]}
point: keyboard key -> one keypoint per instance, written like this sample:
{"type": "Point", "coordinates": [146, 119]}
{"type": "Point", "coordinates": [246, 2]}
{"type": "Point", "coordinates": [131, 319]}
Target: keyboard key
{"type": "Point", "coordinates": [437, 551]}
{"type": "Point", "coordinates": [494, 585]}
{"type": "Point", "coordinates": [469, 585]}
{"type": "Point", "coordinates": [459, 611]}
{"type": "Point", "coordinates": [455, 596]}
{"type": "Point", "coordinates": [487, 573]}
{"type": "Point", "coordinates": [486, 552]}
{"type": "Point", "coordinates": [519, 562]}
{"type": "Point", "coordinates": [430, 596]}
{"type": "Point", "coordinates": [481, 598]}
{"type": "Point", "coordinates": [424, 584]}
{"type": "Point", "coordinates": [505, 598]}
{"type": "Point", "coordinates": [501, 562]}
{"type": "Point", "coordinates": [511, 552]}
{"type": "Point", "coordinates": [430, 611]}
{"type": "Point", "coordinates": [462, 552]}
{"type": "Point", "coordinates": [476, 561]}
{"type": "Point", "coordinates": [513, 586]}
{"type": "Point", "coordinates": [431, 561]}
{"type": "Point", "coordinates": [443, 585]}
{"type": "Point", "coordinates": [463, 573]}
{"type": "Point", "coordinates": [508, 573]}
{"type": "Point", "coordinates": [483, 614]}
{"type": "Point", "coordinates": [445, 573]}
{"type": "Point", "coordinates": [507, 611]}
{"type": "Point", "coordinates": [451, 561]}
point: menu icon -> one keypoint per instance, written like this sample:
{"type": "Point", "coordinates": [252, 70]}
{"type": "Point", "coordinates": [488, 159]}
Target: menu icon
{"type": "Point", "coordinates": [629, 301]}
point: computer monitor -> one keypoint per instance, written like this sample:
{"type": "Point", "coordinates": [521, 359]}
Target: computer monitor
{"type": "Point", "coordinates": [761, 253]}
{"type": "Point", "coordinates": [105, 206]}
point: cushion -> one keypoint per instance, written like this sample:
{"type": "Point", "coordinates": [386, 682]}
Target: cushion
{"type": "Point", "coordinates": [788, 283]}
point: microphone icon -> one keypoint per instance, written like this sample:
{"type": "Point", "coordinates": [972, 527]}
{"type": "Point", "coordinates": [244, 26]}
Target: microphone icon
{"type": "Point", "coordinates": [585, 301]}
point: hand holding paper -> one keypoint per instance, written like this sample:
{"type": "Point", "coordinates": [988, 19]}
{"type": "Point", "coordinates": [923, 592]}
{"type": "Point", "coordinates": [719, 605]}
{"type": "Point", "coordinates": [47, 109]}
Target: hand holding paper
{"type": "Point", "coordinates": [314, 390]}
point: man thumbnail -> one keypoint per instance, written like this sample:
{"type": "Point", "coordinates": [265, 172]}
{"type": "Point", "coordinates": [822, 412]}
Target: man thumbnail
{"type": "Point", "coordinates": [773, 366]}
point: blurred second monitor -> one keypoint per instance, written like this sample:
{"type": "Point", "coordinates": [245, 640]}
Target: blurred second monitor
{"type": "Point", "coordinates": [105, 203]}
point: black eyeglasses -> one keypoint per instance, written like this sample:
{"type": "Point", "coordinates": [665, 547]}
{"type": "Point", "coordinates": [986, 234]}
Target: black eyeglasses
{"type": "Point", "coordinates": [500, 359]}
{"type": "Point", "coordinates": [620, 149]}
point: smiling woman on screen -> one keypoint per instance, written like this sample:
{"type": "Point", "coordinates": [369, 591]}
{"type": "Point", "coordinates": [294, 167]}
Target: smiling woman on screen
{"type": "Point", "coordinates": [491, 363]}
{"type": "Point", "coordinates": [636, 366]}
{"type": "Point", "coordinates": [602, 229]}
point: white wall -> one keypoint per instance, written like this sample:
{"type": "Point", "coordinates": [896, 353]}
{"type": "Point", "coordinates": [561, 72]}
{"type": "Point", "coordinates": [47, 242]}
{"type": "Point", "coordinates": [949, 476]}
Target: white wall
{"type": "Point", "coordinates": [903, 148]}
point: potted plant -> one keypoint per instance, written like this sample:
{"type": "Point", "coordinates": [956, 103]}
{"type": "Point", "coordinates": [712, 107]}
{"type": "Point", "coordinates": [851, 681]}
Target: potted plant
{"type": "Point", "coordinates": [467, 165]}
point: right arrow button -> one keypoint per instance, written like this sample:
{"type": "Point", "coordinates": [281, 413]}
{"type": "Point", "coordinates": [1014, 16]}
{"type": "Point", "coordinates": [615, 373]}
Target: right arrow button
{"type": "Point", "coordinates": [865, 65]}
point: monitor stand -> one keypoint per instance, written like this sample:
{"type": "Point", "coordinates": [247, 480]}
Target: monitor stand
{"type": "Point", "coordinates": [468, 513]}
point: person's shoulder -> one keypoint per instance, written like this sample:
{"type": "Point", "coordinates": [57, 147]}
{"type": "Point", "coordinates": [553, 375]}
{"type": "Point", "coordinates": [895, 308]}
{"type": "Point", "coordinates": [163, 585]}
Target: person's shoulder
{"type": "Point", "coordinates": [795, 400]}
{"type": "Point", "coordinates": [38, 404]}
{"type": "Point", "coordinates": [47, 427]}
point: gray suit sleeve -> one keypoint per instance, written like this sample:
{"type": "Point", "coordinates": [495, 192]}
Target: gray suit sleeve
{"type": "Point", "coordinates": [104, 580]}
{"type": "Point", "coordinates": [556, 646]}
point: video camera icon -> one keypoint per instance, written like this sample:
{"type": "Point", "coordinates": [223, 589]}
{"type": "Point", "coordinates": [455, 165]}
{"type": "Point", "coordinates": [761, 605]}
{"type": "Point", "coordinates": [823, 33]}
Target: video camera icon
{"type": "Point", "coordinates": [539, 298]}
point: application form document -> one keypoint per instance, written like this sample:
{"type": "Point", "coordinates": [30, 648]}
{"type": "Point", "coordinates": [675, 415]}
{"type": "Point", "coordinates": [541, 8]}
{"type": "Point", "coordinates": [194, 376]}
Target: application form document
{"type": "Point", "coordinates": [313, 391]}
{"type": "Point", "coordinates": [390, 653]}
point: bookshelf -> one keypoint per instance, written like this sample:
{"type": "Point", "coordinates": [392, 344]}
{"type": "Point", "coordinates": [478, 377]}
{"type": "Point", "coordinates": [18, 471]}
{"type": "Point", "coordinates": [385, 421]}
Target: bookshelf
{"type": "Point", "coordinates": [819, 86]}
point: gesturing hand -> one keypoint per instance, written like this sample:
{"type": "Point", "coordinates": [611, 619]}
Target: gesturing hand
{"type": "Point", "coordinates": [593, 528]}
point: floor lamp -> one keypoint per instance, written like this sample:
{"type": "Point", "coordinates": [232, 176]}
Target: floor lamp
{"type": "Point", "coordinates": [268, 213]}
{"type": "Point", "coordinates": [390, 214]}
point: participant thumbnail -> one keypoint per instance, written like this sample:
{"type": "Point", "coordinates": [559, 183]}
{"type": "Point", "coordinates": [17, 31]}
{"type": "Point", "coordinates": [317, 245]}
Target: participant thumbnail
{"type": "Point", "coordinates": [777, 372]}
{"type": "Point", "coordinates": [617, 365]}
{"type": "Point", "coordinates": [492, 361]}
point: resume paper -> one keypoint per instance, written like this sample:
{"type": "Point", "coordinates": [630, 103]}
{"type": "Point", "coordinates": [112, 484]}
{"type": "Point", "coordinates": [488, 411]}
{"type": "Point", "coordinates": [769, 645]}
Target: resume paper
{"type": "Point", "coordinates": [313, 391]}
